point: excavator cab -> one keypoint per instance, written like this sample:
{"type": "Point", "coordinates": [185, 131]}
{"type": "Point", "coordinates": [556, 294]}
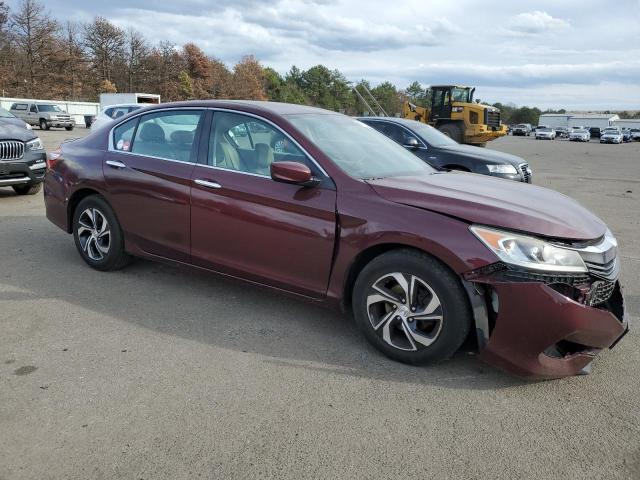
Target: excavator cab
{"type": "Point", "coordinates": [443, 97]}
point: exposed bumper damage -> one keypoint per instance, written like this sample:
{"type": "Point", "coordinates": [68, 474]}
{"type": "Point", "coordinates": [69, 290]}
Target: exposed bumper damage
{"type": "Point", "coordinates": [544, 327]}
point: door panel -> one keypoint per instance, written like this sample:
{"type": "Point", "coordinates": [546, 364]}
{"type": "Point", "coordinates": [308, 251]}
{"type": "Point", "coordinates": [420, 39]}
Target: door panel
{"type": "Point", "coordinates": [151, 196]}
{"type": "Point", "coordinates": [245, 224]}
{"type": "Point", "coordinates": [266, 231]}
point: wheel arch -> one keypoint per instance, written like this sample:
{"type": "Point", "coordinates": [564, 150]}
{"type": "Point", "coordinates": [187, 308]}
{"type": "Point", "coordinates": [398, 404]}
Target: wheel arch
{"type": "Point", "coordinates": [367, 255]}
{"type": "Point", "coordinates": [75, 199]}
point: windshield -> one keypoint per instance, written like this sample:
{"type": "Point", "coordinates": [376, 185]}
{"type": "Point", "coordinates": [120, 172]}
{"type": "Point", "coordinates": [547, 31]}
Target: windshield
{"type": "Point", "coordinates": [49, 108]}
{"type": "Point", "coordinates": [545, 129]}
{"type": "Point", "coordinates": [521, 125]}
{"type": "Point", "coordinates": [432, 136]}
{"type": "Point", "coordinates": [357, 148]}
{"type": "Point", "coordinates": [580, 130]}
{"type": "Point", "coordinates": [460, 94]}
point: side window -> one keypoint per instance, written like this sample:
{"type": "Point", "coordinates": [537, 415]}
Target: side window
{"type": "Point", "coordinates": [167, 135]}
{"type": "Point", "coordinates": [395, 133]}
{"type": "Point", "coordinates": [33, 109]}
{"type": "Point", "coordinates": [19, 106]}
{"type": "Point", "coordinates": [245, 144]}
{"type": "Point", "coordinates": [123, 134]}
{"type": "Point", "coordinates": [109, 112]}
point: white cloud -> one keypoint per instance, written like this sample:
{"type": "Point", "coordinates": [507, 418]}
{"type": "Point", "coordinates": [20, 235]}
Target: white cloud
{"type": "Point", "coordinates": [532, 23]}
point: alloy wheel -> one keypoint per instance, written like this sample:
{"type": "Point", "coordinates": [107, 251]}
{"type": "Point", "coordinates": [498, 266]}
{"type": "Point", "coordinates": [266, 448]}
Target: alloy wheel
{"type": "Point", "coordinates": [404, 311]}
{"type": "Point", "coordinates": [94, 234]}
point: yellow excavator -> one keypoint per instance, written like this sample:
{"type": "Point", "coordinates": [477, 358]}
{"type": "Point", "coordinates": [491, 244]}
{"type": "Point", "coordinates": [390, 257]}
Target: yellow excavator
{"type": "Point", "coordinates": [454, 114]}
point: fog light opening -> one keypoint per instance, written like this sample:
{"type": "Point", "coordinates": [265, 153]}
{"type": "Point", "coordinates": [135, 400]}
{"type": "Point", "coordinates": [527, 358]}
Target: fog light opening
{"type": "Point", "coordinates": [495, 301]}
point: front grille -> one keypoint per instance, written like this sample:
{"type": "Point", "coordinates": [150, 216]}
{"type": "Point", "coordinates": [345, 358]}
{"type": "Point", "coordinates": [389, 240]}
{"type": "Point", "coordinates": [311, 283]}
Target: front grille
{"type": "Point", "coordinates": [526, 172]}
{"type": "Point", "coordinates": [607, 271]}
{"type": "Point", "coordinates": [492, 118]}
{"type": "Point", "coordinates": [600, 292]}
{"type": "Point", "coordinates": [11, 150]}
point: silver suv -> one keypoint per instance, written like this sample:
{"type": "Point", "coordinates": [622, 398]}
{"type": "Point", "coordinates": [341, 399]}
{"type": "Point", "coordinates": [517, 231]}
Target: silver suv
{"type": "Point", "coordinates": [45, 115]}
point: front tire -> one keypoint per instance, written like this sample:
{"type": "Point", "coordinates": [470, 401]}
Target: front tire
{"type": "Point", "coordinates": [98, 236]}
{"type": "Point", "coordinates": [27, 189]}
{"type": "Point", "coordinates": [430, 324]}
{"type": "Point", "coordinates": [452, 130]}
{"type": "Point", "coordinates": [44, 125]}
{"type": "Point", "coordinates": [69, 128]}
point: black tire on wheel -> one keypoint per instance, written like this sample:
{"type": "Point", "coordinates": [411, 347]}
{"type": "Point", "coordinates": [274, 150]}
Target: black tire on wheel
{"type": "Point", "coordinates": [454, 307]}
{"type": "Point", "coordinates": [27, 189]}
{"type": "Point", "coordinates": [69, 128]}
{"type": "Point", "coordinates": [116, 257]}
{"type": "Point", "coordinates": [44, 125]}
{"type": "Point", "coordinates": [452, 130]}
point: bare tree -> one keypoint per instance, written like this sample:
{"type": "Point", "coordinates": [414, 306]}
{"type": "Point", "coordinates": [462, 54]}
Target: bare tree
{"type": "Point", "coordinates": [105, 42]}
{"type": "Point", "coordinates": [34, 35]}
{"type": "Point", "coordinates": [136, 52]}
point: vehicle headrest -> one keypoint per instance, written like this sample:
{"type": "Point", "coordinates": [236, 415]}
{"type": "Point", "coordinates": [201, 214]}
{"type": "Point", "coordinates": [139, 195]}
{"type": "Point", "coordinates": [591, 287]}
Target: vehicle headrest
{"type": "Point", "coordinates": [152, 133]}
{"type": "Point", "coordinates": [182, 136]}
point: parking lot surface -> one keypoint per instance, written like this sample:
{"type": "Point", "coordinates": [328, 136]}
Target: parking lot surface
{"type": "Point", "coordinates": [155, 372]}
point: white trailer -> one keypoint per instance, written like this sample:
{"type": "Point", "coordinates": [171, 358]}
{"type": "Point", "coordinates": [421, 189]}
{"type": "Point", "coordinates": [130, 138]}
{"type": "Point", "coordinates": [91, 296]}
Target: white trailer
{"type": "Point", "coordinates": [627, 123]}
{"type": "Point", "coordinates": [554, 120]}
{"type": "Point", "coordinates": [107, 99]}
{"type": "Point", "coordinates": [593, 120]}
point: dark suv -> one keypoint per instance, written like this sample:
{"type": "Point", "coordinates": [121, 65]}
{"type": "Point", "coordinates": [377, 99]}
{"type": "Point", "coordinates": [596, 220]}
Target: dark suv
{"type": "Point", "coordinates": [22, 160]}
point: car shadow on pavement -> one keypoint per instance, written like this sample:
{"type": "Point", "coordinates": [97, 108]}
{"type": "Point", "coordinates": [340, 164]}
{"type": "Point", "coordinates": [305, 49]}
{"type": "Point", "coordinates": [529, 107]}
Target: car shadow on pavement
{"type": "Point", "coordinates": [215, 310]}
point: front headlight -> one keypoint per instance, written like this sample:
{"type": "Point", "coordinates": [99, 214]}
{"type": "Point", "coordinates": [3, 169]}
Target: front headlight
{"type": "Point", "coordinates": [502, 169]}
{"type": "Point", "coordinates": [529, 252]}
{"type": "Point", "coordinates": [35, 144]}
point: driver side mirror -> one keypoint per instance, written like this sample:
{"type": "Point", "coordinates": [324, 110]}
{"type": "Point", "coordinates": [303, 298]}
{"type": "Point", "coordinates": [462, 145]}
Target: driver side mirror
{"type": "Point", "coordinates": [295, 173]}
{"type": "Point", "coordinates": [411, 143]}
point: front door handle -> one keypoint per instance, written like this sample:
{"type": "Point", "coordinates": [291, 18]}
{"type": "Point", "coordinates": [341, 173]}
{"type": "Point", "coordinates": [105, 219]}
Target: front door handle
{"type": "Point", "coordinates": [115, 164]}
{"type": "Point", "coordinates": [208, 183]}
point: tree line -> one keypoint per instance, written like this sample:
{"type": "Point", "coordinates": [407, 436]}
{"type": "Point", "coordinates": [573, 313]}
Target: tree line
{"type": "Point", "coordinates": [41, 57]}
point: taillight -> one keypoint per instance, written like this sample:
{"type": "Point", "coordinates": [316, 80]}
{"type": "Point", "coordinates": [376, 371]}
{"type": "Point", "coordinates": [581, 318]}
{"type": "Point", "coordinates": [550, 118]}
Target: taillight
{"type": "Point", "coordinates": [54, 157]}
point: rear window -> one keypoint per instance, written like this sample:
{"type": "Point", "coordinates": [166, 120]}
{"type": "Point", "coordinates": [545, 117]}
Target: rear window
{"type": "Point", "coordinates": [123, 135]}
{"type": "Point", "coordinates": [19, 106]}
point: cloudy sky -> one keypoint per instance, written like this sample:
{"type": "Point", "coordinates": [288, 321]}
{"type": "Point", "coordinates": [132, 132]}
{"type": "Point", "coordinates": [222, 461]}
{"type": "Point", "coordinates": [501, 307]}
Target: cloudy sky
{"type": "Point", "coordinates": [578, 54]}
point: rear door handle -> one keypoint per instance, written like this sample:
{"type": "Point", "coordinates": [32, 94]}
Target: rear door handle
{"type": "Point", "coordinates": [115, 164]}
{"type": "Point", "coordinates": [208, 183]}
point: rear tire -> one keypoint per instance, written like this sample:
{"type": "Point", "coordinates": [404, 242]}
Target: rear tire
{"type": "Point", "coordinates": [452, 130]}
{"type": "Point", "coordinates": [27, 189]}
{"type": "Point", "coordinates": [402, 330]}
{"type": "Point", "coordinates": [98, 235]}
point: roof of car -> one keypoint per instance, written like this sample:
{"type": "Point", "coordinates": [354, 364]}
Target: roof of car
{"type": "Point", "coordinates": [272, 107]}
{"type": "Point", "coordinates": [402, 121]}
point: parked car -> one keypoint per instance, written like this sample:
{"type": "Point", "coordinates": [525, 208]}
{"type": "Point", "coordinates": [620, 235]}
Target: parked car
{"type": "Point", "coordinates": [45, 115]}
{"type": "Point", "coordinates": [562, 132]}
{"type": "Point", "coordinates": [522, 129]}
{"type": "Point", "coordinates": [594, 132]}
{"type": "Point", "coordinates": [611, 135]}
{"type": "Point", "coordinates": [443, 153]}
{"type": "Point", "coordinates": [635, 134]}
{"type": "Point", "coordinates": [579, 135]}
{"type": "Point", "coordinates": [347, 217]}
{"type": "Point", "coordinates": [545, 133]}
{"type": "Point", "coordinates": [22, 159]}
{"type": "Point", "coordinates": [626, 134]}
{"type": "Point", "coordinates": [113, 112]}
{"type": "Point", "coordinates": [6, 117]}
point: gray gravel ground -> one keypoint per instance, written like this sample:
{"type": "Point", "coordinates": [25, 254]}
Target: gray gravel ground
{"type": "Point", "coordinates": [162, 373]}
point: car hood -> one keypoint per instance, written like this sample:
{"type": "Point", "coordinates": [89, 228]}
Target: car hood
{"type": "Point", "coordinates": [494, 202]}
{"type": "Point", "coordinates": [12, 121]}
{"type": "Point", "coordinates": [9, 131]}
{"type": "Point", "coordinates": [489, 156]}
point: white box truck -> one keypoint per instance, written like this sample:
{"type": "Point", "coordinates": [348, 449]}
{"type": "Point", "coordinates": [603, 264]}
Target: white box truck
{"type": "Point", "coordinates": [107, 99]}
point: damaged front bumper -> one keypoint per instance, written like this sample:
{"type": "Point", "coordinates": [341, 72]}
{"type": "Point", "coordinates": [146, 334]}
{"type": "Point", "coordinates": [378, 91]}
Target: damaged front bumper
{"type": "Point", "coordinates": [544, 327]}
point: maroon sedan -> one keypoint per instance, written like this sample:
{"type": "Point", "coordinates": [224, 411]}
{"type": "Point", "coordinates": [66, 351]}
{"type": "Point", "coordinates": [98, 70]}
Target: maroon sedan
{"type": "Point", "coordinates": [320, 205]}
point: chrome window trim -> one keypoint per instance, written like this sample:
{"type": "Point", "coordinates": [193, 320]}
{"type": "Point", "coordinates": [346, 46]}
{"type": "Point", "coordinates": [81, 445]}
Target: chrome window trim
{"type": "Point", "coordinates": [214, 109]}
{"type": "Point", "coordinates": [213, 167]}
